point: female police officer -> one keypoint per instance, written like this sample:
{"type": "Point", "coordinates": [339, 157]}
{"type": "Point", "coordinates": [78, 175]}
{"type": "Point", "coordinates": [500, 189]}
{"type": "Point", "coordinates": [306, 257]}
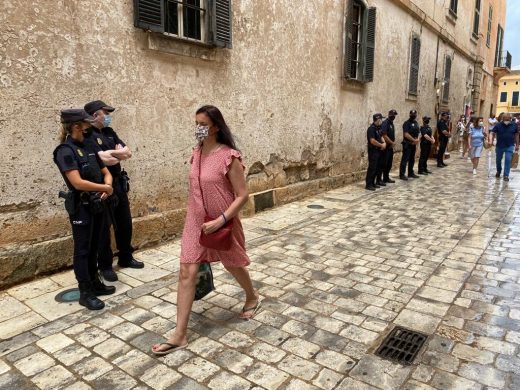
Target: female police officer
{"type": "Point", "coordinates": [89, 183]}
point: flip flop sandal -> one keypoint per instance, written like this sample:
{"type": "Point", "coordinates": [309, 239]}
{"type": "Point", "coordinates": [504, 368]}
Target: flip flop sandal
{"type": "Point", "coordinates": [172, 348]}
{"type": "Point", "coordinates": [253, 309]}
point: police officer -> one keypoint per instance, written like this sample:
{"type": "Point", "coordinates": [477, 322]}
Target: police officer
{"type": "Point", "coordinates": [387, 155]}
{"type": "Point", "coordinates": [376, 144]}
{"type": "Point", "coordinates": [90, 184]}
{"type": "Point", "coordinates": [112, 150]}
{"type": "Point", "coordinates": [444, 135]}
{"type": "Point", "coordinates": [410, 141]}
{"type": "Point", "coordinates": [427, 141]}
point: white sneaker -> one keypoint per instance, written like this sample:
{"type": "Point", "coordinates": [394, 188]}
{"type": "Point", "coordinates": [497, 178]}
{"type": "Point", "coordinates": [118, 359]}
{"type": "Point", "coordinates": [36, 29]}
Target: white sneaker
{"type": "Point", "coordinates": [474, 171]}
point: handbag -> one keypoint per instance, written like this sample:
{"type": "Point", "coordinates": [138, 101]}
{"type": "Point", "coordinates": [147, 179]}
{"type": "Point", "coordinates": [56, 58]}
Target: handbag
{"type": "Point", "coordinates": [221, 239]}
{"type": "Point", "coordinates": [514, 160]}
{"type": "Point", "coordinates": [204, 281]}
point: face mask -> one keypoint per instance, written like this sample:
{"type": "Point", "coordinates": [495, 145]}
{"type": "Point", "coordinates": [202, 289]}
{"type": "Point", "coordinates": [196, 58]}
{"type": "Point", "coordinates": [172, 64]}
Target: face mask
{"type": "Point", "coordinates": [201, 132]}
{"type": "Point", "coordinates": [391, 117]}
{"type": "Point", "coordinates": [427, 122]}
{"type": "Point", "coordinates": [481, 124]}
{"type": "Point", "coordinates": [507, 123]}
{"type": "Point", "coordinates": [107, 120]}
{"type": "Point", "coordinates": [412, 117]}
{"type": "Point", "coordinates": [88, 132]}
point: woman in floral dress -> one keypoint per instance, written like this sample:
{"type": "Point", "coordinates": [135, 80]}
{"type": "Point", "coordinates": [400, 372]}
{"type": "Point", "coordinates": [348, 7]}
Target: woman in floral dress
{"type": "Point", "coordinates": [224, 193]}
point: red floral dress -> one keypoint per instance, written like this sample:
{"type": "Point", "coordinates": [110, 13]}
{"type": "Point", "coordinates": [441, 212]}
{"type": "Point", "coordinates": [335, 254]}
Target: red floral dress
{"type": "Point", "coordinates": [218, 196]}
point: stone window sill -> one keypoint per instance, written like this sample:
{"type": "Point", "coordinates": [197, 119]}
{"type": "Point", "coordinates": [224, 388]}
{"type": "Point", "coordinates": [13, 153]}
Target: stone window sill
{"type": "Point", "coordinates": [170, 45]}
{"type": "Point", "coordinates": [352, 85]}
{"type": "Point", "coordinates": [412, 97]}
{"type": "Point", "coordinates": [452, 17]}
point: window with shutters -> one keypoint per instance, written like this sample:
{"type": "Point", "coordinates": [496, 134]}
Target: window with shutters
{"type": "Point", "coordinates": [500, 45]}
{"type": "Point", "coordinates": [360, 34]}
{"type": "Point", "coordinates": [490, 23]}
{"type": "Point", "coordinates": [446, 82]}
{"type": "Point", "coordinates": [202, 21]}
{"type": "Point", "coordinates": [514, 101]}
{"type": "Point", "coordinates": [453, 7]}
{"type": "Point", "coordinates": [414, 65]}
{"type": "Point", "coordinates": [476, 19]}
{"type": "Point", "coordinates": [503, 97]}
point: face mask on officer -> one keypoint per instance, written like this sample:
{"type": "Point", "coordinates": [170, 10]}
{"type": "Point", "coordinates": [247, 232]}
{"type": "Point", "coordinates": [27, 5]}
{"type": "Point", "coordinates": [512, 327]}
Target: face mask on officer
{"type": "Point", "coordinates": [107, 120]}
{"type": "Point", "coordinates": [413, 116]}
{"type": "Point", "coordinates": [391, 117]}
{"type": "Point", "coordinates": [201, 132]}
{"type": "Point", "coordinates": [426, 121]}
{"type": "Point", "coordinates": [88, 131]}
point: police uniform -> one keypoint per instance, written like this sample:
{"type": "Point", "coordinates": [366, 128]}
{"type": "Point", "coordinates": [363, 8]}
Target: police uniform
{"type": "Point", "coordinates": [408, 157]}
{"type": "Point", "coordinates": [373, 132]}
{"type": "Point", "coordinates": [86, 211]}
{"type": "Point", "coordinates": [119, 214]}
{"type": "Point", "coordinates": [426, 146]}
{"type": "Point", "coordinates": [387, 155]}
{"type": "Point", "coordinates": [442, 125]}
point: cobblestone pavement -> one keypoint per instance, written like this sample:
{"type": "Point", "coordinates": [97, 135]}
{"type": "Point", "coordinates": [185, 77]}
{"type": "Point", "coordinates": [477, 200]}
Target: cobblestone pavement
{"type": "Point", "coordinates": [439, 255]}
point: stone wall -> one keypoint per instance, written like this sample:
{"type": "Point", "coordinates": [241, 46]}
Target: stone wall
{"type": "Point", "coordinates": [300, 126]}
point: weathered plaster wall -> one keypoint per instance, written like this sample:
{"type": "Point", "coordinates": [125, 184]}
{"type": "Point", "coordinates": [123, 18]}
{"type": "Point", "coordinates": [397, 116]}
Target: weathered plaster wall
{"type": "Point", "coordinates": [280, 89]}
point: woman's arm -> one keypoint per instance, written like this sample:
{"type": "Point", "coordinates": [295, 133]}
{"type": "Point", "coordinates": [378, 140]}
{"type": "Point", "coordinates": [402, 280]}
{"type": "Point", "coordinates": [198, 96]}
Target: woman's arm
{"type": "Point", "coordinates": [79, 184]}
{"type": "Point", "coordinates": [238, 181]}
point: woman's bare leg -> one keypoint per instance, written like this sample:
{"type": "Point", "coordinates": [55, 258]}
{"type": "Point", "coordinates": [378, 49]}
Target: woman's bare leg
{"type": "Point", "coordinates": [241, 274]}
{"type": "Point", "coordinates": [185, 296]}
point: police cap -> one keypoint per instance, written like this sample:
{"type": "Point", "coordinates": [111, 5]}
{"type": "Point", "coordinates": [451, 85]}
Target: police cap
{"type": "Point", "coordinates": [75, 115]}
{"type": "Point", "coordinates": [95, 105]}
{"type": "Point", "coordinates": [426, 118]}
{"type": "Point", "coordinates": [377, 116]}
{"type": "Point", "coordinates": [413, 112]}
{"type": "Point", "coordinates": [392, 112]}
{"type": "Point", "coordinates": [444, 113]}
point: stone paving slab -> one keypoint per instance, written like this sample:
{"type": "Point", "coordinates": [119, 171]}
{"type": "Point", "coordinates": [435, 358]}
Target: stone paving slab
{"type": "Point", "coordinates": [439, 255]}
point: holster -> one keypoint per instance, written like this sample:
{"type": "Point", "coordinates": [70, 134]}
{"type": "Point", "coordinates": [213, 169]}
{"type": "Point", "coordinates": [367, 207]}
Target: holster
{"type": "Point", "coordinates": [125, 181]}
{"type": "Point", "coordinates": [71, 204]}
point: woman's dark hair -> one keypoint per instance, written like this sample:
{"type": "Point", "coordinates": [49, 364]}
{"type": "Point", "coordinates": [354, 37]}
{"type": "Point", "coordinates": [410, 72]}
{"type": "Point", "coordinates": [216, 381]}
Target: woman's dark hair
{"type": "Point", "coordinates": [476, 120]}
{"type": "Point", "coordinates": [224, 135]}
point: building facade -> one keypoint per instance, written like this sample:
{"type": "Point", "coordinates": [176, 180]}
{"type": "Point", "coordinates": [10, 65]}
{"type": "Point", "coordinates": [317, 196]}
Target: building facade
{"type": "Point", "coordinates": [508, 93]}
{"type": "Point", "coordinates": [297, 85]}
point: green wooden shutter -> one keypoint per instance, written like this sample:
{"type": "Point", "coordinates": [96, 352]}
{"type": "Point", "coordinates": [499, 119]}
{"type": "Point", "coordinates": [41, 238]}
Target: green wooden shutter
{"type": "Point", "coordinates": [447, 75]}
{"type": "Point", "coordinates": [370, 44]}
{"type": "Point", "coordinates": [220, 33]}
{"type": "Point", "coordinates": [414, 65]}
{"type": "Point", "coordinates": [149, 15]}
{"type": "Point", "coordinates": [347, 59]}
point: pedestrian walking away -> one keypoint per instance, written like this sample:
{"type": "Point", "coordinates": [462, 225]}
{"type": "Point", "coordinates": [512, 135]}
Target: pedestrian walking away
{"type": "Point", "coordinates": [112, 150]}
{"type": "Point", "coordinates": [443, 135]}
{"type": "Point", "coordinates": [217, 184]}
{"type": "Point", "coordinates": [477, 135]}
{"type": "Point", "coordinates": [427, 140]}
{"type": "Point", "coordinates": [387, 155]}
{"type": "Point", "coordinates": [90, 185]}
{"type": "Point", "coordinates": [375, 145]}
{"type": "Point", "coordinates": [410, 142]}
{"type": "Point", "coordinates": [506, 134]}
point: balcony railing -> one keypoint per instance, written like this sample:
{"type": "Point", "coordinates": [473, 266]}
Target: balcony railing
{"type": "Point", "coordinates": [503, 60]}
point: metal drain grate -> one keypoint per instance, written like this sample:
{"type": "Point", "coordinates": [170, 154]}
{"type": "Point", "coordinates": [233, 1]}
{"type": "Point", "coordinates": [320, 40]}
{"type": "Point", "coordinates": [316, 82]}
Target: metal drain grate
{"type": "Point", "coordinates": [401, 345]}
{"type": "Point", "coordinates": [315, 206]}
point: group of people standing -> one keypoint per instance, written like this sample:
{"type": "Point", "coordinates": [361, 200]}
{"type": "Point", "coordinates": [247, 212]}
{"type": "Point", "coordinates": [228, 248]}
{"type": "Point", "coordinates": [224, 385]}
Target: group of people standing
{"type": "Point", "coordinates": [88, 157]}
{"type": "Point", "coordinates": [474, 137]}
{"type": "Point", "coordinates": [381, 141]}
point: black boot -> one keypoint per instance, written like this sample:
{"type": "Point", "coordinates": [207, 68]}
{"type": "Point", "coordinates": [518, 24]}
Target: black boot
{"type": "Point", "coordinates": [87, 297]}
{"type": "Point", "coordinates": [100, 288]}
